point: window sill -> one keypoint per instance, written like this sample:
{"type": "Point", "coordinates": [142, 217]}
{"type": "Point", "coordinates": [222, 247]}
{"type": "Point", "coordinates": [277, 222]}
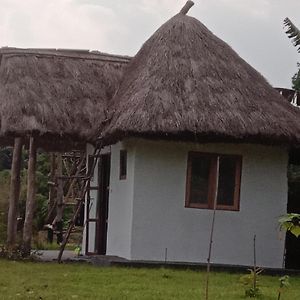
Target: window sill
{"type": "Point", "coordinates": [219, 207]}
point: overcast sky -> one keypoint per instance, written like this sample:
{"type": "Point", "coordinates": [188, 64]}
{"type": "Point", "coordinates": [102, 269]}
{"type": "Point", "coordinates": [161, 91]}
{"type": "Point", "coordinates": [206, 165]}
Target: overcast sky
{"type": "Point", "coordinates": [253, 28]}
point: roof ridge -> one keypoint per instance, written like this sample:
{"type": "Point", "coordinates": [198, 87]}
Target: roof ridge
{"type": "Point", "coordinates": [70, 53]}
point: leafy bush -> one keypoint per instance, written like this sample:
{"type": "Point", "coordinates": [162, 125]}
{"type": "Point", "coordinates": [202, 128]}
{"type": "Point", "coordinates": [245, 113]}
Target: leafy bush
{"type": "Point", "coordinates": [284, 285]}
{"type": "Point", "coordinates": [251, 283]}
{"type": "Point", "coordinates": [41, 196]}
{"type": "Point", "coordinates": [291, 223]}
{"type": "Point", "coordinates": [5, 158]}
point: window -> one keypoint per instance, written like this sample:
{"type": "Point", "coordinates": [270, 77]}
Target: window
{"type": "Point", "coordinates": [202, 181]}
{"type": "Point", "coordinates": [123, 164]}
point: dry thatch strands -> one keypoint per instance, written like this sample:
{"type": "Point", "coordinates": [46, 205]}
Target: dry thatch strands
{"type": "Point", "coordinates": [187, 84]}
{"type": "Point", "coordinates": [60, 96]}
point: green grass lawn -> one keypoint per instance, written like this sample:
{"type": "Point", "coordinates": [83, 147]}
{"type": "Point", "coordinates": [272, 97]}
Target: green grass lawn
{"type": "Point", "coordinates": [19, 280]}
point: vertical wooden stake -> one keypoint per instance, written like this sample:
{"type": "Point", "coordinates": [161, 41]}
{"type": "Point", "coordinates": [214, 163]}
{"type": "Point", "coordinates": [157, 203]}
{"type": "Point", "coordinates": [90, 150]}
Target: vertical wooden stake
{"type": "Point", "coordinates": [30, 201]}
{"type": "Point", "coordinates": [58, 222]}
{"type": "Point", "coordinates": [254, 263]}
{"type": "Point", "coordinates": [14, 194]}
{"type": "Point", "coordinates": [51, 199]}
{"type": "Point", "coordinates": [212, 227]}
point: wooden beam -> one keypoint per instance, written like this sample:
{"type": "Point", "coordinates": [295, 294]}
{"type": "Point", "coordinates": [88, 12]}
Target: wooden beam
{"type": "Point", "coordinates": [14, 194]}
{"type": "Point", "coordinates": [30, 200]}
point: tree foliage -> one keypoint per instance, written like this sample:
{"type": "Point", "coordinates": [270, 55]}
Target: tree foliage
{"type": "Point", "coordinates": [43, 166]}
{"type": "Point", "coordinates": [296, 79]}
{"type": "Point", "coordinates": [5, 158]}
{"type": "Point", "coordinates": [292, 32]}
{"type": "Point", "coordinates": [291, 223]}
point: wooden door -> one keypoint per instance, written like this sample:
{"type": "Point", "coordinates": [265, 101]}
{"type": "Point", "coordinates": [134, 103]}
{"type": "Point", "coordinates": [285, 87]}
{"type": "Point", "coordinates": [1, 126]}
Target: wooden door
{"type": "Point", "coordinates": [103, 198]}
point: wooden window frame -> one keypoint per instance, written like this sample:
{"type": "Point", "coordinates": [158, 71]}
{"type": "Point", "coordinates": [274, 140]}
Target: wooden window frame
{"type": "Point", "coordinates": [212, 182]}
{"type": "Point", "coordinates": [123, 155]}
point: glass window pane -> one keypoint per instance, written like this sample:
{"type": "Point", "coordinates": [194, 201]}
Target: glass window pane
{"type": "Point", "coordinates": [200, 179]}
{"type": "Point", "coordinates": [227, 171]}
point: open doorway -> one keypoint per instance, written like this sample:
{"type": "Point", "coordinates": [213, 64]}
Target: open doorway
{"type": "Point", "coordinates": [292, 257]}
{"type": "Point", "coordinates": [102, 207]}
{"type": "Point", "coordinates": [97, 207]}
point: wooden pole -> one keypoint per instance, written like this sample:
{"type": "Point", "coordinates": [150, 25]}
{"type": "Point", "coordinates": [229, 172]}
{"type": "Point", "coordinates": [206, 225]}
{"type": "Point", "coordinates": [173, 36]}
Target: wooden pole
{"type": "Point", "coordinates": [212, 226]}
{"type": "Point", "coordinates": [14, 195]}
{"type": "Point", "coordinates": [51, 199]}
{"type": "Point", "coordinates": [187, 7]}
{"type": "Point", "coordinates": [30, 201]}
{"type": "Point", "coordinates": [74, 179]}
{"type": "Point", "coordinates": [254, 263]}
{"type": "Point", "coordinates": [58, 221]}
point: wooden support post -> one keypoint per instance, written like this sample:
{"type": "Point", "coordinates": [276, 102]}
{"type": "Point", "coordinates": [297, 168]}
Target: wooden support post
{"type": "Point", "coordinates": [58, 222]}
{"type": "Point", "coordinates": [14, 195]}
{"type": "Point", "coordinates": [52, 188]}
{"type": "Point", "coordinates": [30, 201]}
{"type": "Point", "coordinates": [51, 199]}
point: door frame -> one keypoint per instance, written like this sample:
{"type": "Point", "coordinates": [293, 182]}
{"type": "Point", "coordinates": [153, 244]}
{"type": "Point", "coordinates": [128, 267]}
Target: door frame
{"type": "Point", "coordinates": [102, 203]}
{"type": "Point", "coordinates": [292, 244]}
{"type": "Point", "coordinates": [97, 220]}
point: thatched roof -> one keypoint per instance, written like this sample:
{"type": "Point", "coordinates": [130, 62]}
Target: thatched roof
{"type": "Point", "coordinates": [61, 96]}
{"type": "Point", "coordinates": [187, 84]}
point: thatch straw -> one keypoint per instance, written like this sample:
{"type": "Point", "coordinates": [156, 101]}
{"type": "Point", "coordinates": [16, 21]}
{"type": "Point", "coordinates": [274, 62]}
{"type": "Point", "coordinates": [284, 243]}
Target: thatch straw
{"type": "Point", "coordinates": [56, 94]}
{"type": "Point", "coordinates": [187, 84]}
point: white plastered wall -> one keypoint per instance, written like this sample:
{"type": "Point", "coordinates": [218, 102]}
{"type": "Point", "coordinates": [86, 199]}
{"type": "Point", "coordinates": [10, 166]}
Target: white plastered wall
{"type": "Point", "coordinates": [147, 213]}
{"type": "Point", "coordinates": [160, 220]}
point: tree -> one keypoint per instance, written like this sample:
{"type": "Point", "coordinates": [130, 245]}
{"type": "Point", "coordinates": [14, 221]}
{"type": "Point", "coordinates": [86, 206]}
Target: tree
{"type": "Point", "coordinates": [296, 79]}
{"type": "Point", "coordinates": [294, 34]}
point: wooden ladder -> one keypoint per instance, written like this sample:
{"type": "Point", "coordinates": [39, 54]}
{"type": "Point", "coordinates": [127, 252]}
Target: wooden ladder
{"type": "Point", "coordinates": [80, 198]}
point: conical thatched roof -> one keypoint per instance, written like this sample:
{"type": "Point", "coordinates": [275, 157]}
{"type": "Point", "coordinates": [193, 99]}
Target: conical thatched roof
{"type": "Point", "coordinates": [61, 96]}
{"type": "Point", "coordinates": [187, 84]}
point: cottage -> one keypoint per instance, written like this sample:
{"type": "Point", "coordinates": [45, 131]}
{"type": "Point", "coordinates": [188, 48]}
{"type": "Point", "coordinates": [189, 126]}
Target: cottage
{"type": "Point", "coordinates": [187, 107]}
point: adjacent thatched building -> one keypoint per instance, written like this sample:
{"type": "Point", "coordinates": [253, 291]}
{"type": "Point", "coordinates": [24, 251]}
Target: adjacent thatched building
{"type": "Point", "coordinates": [51, 99]}
{"type": "Point", "coordinates": [58, 96]}
{"type": "Point", "coordinates": [192, 120]}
